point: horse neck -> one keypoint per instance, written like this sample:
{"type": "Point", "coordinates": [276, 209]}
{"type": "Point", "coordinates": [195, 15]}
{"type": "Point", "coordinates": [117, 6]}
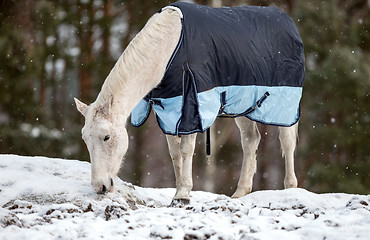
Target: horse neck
{"type": "Point", "coordinates": [142, 65]}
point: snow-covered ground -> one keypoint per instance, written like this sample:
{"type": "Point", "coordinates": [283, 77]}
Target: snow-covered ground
{"type": "Point", "coordinates": [43, 198]}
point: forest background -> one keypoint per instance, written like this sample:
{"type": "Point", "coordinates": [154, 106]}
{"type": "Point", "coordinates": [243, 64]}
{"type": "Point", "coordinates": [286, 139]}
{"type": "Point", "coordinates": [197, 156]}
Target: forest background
{"type": "Point", "coordinates": [52, 51]}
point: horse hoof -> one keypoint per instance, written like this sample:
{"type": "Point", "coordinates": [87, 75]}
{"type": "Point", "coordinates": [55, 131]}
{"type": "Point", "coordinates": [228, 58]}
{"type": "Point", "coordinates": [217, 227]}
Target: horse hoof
{"type": "Point", "coordinates": [179, 203]}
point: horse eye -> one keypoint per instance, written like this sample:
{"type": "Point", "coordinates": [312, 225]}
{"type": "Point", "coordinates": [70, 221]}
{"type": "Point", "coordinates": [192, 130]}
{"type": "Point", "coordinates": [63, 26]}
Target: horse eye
{"type": "Point", "coordinates": [106, 138]}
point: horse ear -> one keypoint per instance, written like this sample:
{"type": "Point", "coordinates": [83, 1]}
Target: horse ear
{"type": "Point", "coordinates": [81, 107]}
{"type": "Point", "coordinates": [107, 106]}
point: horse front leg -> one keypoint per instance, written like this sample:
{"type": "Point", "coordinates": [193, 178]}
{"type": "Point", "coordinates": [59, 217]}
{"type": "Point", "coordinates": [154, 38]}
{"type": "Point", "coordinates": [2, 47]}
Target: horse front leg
{"type": "Point", "coordinates": [175, 153]}
{"type": "Point", "coordinates": [250, 138]}
{"type": "Point", "coordinates": [288, 139]}
{"type": "Point", "coordinates": [181, 151]}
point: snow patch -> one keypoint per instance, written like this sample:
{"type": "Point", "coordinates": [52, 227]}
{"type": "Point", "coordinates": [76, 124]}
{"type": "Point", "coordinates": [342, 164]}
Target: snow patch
{"type": "Point", "coordinates": [43, 198]}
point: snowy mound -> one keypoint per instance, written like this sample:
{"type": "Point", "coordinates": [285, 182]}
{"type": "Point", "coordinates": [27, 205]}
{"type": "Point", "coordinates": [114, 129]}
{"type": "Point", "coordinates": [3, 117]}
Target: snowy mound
{"type": "Point", "coordinates": [43, 198]}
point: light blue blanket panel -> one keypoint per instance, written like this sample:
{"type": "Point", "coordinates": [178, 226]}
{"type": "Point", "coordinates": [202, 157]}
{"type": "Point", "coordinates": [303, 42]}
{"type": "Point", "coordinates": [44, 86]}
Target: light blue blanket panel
{"type": "Point", "coordinates": [280, 108]}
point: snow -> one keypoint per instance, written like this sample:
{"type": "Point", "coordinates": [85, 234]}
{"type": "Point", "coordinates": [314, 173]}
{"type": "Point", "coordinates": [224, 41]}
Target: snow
{"type": "Point", "coordinates": [44, 198]}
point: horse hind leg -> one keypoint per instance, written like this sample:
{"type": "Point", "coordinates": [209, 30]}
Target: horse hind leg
{"type": "Point", "coordinates": [288, 140]}
{"type": "Point", "coordinates": [250, 138]}
{"type": "Point", "coordinates": [181, 151]}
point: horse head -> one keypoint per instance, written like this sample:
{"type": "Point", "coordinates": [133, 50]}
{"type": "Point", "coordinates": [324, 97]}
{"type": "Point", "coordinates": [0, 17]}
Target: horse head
{"type": "Point", "coordinates": [107, 141]}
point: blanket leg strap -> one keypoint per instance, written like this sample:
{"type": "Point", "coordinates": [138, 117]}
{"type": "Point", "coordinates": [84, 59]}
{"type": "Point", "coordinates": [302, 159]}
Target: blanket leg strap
{"type": "Point", "coordinates": [208, 141]}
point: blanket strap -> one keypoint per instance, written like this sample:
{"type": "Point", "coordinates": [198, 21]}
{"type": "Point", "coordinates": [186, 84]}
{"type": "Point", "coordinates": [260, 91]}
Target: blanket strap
{"type": "Point", "coordinates": [262, 99]}
{"type": "Point", "coordinates": [156, 102]}
{"type": "Point", "coordinates": [245, 113]}
{"type": "Point", "coordinates": [223, 103]}
{"type": "Point", "coordinates": [258, 104]}
{"type": "Point", "coordinates": [153, 102]}
{"type": "Point", "coordinates": [208, 141]}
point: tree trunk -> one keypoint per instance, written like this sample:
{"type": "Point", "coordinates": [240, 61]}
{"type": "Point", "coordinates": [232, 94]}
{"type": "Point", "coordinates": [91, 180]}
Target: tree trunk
{"type": "Point", "coordinates": [106, 29]}
{"type": "Point", "coordinates": [86, 56]}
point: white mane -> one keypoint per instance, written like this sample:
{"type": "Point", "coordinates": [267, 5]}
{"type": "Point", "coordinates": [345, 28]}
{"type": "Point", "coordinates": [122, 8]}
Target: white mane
{"type": "Point", "coordinates": [155, 33]}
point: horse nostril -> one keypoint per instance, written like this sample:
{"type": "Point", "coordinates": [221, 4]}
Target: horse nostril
{"type": "Point", "coordinates": [104, 189]}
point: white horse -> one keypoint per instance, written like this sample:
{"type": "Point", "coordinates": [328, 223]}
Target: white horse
{"type": "Point", "coordinates": [140, 69]}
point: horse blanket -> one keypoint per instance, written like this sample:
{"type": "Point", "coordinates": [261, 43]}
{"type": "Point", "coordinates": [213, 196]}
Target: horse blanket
{"type": "Point", "coordinates": [239, 61]}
